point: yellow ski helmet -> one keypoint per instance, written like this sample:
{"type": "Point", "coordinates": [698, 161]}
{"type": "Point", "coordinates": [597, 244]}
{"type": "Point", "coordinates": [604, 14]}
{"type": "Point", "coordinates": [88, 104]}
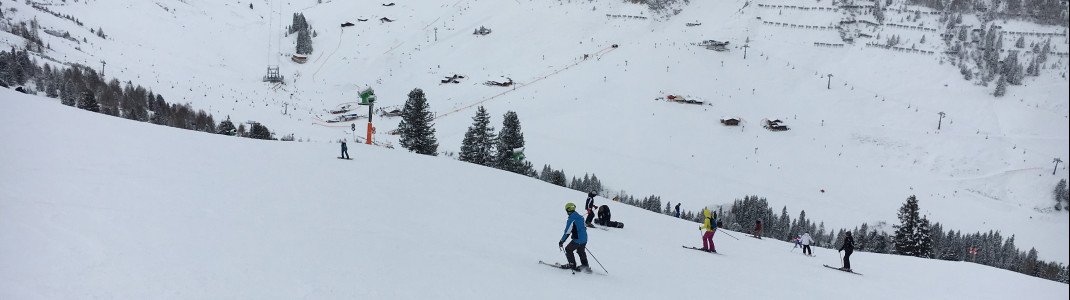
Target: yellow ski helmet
{"type": "Point", "coordinates": [570, 207]}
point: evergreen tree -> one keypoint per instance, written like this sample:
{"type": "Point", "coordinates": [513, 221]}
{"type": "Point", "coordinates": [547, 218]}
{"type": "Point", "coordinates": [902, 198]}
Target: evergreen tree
{"type": "Point", "coordinates": [299, 23]}
{"type": "Point", "coordinates": [1060, 194]}
{"type": "Point", "coordinates": [1030, 264]}
{"type": "Point", "coordinates": [924, 238]}
{"type": "Point", "coordinates": [479, 142]}
{"type": "Point", "coordinates": [878, 12]}
{"type": "Point", "coordinates": [417, 131]}
{"type": "Point", "coordinates": [861, 239]}
{"type": "Point", "coordinates": [1009, 254]}
{"type": "Point", "coordinates": [596, 185]}
{"type": "Point", "coordinates": [304, 42]}
{"type": "Point", "coordinates": [545, 174]}
{"type": "Point", "coordinates": [89, 102]}
{"type": "Point", "coordinates": [530, 170]}
{"type": "Point", "coordinates": [1012, 69]}
{"type": "Point", "coordinates": [1001, 87]}
{"type": "Point", "coordinates": [227, 127]}
{"type": "Point", "coordinates": [906, 242]}
{"type": "Point", "coordinates": [557, 177]}
{"type": "Point", "coordinates": [259, 131]}
{"type": "Point", "coordinates": [1043, 56]}
{"type": "Point", "coordinates": [803, 223]}
{"type": "Point", "coordinates": [879, 242]}
{"type": "Point", "coordinates": [1033, 69]}
{"type": "Point", "coordinates": [952, 245]}
{"type": "Point", "coordinates": [510, 145]}
{"type": "Point", "coordinates": [938, 241]}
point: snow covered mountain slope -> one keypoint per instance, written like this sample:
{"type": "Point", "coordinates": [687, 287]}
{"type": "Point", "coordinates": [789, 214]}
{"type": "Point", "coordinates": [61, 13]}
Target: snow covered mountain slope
{"type": "Point", "coordinates": [118, 209]}
{"type": "Point", "coordinates": [869, 141]}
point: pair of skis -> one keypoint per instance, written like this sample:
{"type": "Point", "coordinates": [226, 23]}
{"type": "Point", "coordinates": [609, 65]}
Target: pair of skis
{"type": "Point", "coordinates": [562, 267]}
{"type": "Point", "coordinates": [842, 269]}
{"type": "Point", "coordinates": [700, 249]}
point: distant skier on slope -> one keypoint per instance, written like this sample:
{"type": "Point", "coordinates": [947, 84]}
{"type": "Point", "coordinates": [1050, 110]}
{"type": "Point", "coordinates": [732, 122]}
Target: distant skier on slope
{"type": "Point", "coordinates": [806, 240]}
{"type": "Point", "coordinates": [758, 229]}
{"type": "Point", "coordinates": [345, 150]}
{"type": "Point", "coordinates": [574, 226]}
{"type": "Point", "coordinates": [798, 242]}
{"type": "Point", "coordinates": [590, 207]}
{"type": "Point", "coordinates": [710, 225]}
{"type": "Point", "coordinates": [848, 247]}
{"type": "Point", "coordinates": [677, 210]}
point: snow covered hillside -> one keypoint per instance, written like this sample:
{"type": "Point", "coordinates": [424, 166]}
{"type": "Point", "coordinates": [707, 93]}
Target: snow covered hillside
{"type": "Point", "coordinates": [867, 137]}
{"type": "Point", "coordinates": [118, 209]}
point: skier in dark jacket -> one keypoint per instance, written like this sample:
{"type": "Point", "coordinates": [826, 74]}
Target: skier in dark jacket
{"type": "Point", "coordinates": [758, 229]}
{"type": "Point", "coordinates": [605, 218]}
{"type": "Point", "coordinates": [677, 210]}
{"type": "Point", "coordinates": [848, 247]}
{"type": "Point", "coordinates": [574, 226]}
{"type": "Point", "coordinates": [345, 150]}
{"type": "Point", "coordinates": [590, 207]}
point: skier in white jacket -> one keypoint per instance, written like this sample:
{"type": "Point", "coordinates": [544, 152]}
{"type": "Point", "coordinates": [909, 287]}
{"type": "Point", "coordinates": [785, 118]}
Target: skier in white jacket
{"type": "Point", "coordinates": [806, 240]}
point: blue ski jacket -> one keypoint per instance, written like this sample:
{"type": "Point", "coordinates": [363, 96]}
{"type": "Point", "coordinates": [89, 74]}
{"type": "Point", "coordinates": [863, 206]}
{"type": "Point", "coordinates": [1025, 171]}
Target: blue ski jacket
{"type": "Point", "coordinates": [575, 226]}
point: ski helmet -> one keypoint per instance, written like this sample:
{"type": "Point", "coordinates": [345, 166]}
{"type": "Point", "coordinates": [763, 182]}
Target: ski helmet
{"type": "Point", "coordinates": [570, 207]}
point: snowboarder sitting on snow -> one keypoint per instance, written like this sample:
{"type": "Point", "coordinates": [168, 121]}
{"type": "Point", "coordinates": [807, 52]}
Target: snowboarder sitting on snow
{"type": "Point", "coordinates": [806, 240]}
{"type": "Point", "coordinates": [605, 218]}
{"type": "Point", "coordinates": [710, 225]}
{"type": "Point", "coordinates": [758, 229]}
{"type": "Point", "coordinates": [848, 247]}
{"type": "Point", "coordinates": [590, 207]}
{"type": "Point", "coordinates": [574, 226]}
{"type": "Point", "coordinates": [345, 151]}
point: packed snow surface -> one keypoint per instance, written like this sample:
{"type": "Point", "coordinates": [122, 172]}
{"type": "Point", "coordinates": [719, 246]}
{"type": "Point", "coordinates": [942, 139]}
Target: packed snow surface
{"type": "Point", "coordinates": [112, 208]}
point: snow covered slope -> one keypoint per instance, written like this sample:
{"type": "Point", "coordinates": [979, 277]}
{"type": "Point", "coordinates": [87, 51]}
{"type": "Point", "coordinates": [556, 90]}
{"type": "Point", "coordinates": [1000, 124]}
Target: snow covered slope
{"type": "Point", "coordinates": [118, 209]}
{"type": "Point", "coordinates": [869, 141]}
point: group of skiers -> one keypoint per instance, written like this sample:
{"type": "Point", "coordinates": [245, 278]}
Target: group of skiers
{"type": "Point", "coordinates": [576, 227]}
{"type": "Point", "coordinates": [803, 241]}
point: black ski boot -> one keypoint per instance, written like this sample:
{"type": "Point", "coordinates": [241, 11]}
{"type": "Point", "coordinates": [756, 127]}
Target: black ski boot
{"type": "Point", "coordinates": [584, 268]}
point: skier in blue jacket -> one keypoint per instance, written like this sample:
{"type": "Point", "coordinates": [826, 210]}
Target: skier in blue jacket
{"type": "Point", "coordinates": [574, 226]}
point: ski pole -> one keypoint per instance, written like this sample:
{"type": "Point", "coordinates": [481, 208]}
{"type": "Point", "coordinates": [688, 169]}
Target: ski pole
{"type": "Point", "coordinates": [596, 260]}
{"type": "Point", "coordinates": [729, 234]}
{"type": "Point", "coordinates": [841, 258]}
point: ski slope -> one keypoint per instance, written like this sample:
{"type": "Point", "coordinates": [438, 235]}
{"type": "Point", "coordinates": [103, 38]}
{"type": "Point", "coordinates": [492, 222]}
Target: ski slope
{"type": "Point", "coordinates": [119, 209]}
{"type": "Point", "coordinates": [868, 141]}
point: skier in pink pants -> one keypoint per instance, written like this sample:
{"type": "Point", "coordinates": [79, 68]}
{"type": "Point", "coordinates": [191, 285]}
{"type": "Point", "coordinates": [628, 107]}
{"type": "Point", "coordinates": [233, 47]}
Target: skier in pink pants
{"type": "Point", "coordinates": [710, 225]}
